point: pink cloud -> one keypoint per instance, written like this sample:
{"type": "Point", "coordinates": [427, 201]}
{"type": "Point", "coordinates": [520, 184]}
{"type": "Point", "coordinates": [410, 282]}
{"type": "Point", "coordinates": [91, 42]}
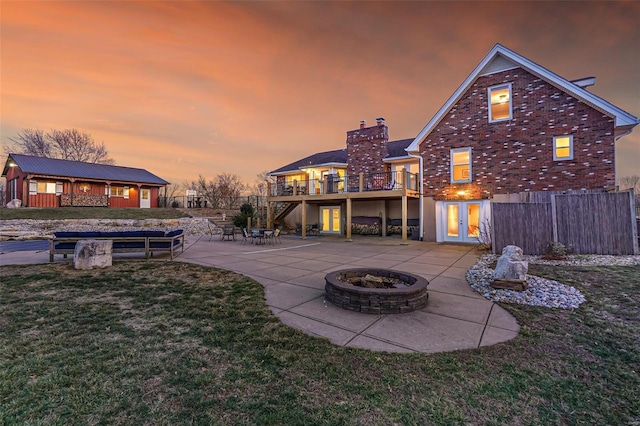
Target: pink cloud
{"type": "Point", "coordinates": [188, 88]}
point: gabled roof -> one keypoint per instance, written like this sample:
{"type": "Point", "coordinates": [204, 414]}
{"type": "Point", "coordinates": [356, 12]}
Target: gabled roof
{"type": "Point", "coordinates": [338, 158]}
{"type": "Point", "coordinates": [397, 148]}
{"type": "Point", "coordinates": [79, 169]}
{"type": "Point", "coordinates": [500, 58]}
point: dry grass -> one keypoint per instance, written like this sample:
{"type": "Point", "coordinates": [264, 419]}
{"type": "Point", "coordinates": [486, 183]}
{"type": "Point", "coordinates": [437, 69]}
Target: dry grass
{"type": "Point", "coordinates": [170, 343]}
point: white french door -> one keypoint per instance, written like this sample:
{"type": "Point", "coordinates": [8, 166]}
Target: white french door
{"type": "Point", "coordinates": [461, 221]}
{"type": "Point", "coordinates": [330, 219]}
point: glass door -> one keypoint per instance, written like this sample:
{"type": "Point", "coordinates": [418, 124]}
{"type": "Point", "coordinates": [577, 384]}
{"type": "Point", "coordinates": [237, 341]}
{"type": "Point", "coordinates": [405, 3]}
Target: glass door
{"type": "Point", "coordinates": [330, 219]}
{"type": "Point", "coordinates": [473, 221]}
{"type": "Point", "coordinates": [462, 222]}
{"type": "Point", "coordinates": [453, 221]}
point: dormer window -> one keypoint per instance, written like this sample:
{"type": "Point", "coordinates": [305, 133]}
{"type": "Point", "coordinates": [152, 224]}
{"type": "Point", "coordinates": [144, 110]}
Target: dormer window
{"type": "Point", "coordinates": [500, 103]}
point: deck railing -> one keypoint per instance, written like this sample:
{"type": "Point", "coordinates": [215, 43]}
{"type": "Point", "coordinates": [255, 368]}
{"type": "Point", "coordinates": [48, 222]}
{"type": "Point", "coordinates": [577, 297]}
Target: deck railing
{"type": "Point", "coordinates": [335, 184]}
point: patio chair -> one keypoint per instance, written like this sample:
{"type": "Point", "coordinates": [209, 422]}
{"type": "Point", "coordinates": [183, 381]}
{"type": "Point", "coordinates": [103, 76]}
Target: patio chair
{"type": "Point", "coordinates": [269, 236]}
{"type": "Point", "coordinates": [213, 229]}
{"type": "Point", "coordinates": [257, 236]}
{"type": "Point", "coordinates": [276, 235]}
{"type": "Point", "coordinates": [246, 236]}
{"type": "Point", "coordinates": [228, 231]}
{"type": "Point", "coordinates": [390, 185]}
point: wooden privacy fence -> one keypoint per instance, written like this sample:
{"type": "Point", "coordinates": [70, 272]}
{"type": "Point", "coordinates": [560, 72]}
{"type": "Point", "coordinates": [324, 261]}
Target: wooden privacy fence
{"type": "Point", "coordinates": [587, 222]}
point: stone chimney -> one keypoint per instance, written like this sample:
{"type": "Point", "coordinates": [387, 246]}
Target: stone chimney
{"type": "Point", "coordinates": [367, 147]}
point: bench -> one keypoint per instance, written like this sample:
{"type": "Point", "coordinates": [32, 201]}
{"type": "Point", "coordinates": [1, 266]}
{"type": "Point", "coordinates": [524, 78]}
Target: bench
{"type": "Point", "coordinates": [145, 242]}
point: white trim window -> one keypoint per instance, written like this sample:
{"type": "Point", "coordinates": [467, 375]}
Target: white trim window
{"type": "Point", "coordinates": [563, 147]}
{"type": "Point", "coordinates": [461, 165]}
{"type": "Point", "coordinates": [500, 105]}
{"type": "Point", "coordinates": [43, 187]}
{"type": "Point", "coordinates": [119, 191]}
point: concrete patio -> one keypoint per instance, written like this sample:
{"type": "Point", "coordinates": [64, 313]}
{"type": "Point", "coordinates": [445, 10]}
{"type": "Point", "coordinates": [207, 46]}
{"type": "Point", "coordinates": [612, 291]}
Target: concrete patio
{"type": "Point", "coordinates": [292, 274]}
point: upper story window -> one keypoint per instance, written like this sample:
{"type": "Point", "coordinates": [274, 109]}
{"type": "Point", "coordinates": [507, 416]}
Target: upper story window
{"type": "Point", "coordinates": [500, 107]}
{"type": "Point", "coordinates": [42, 187]}
{"type": "Point", "coordinates": [461, 165]}
{"type": "Point", "coordinates": [563, 147]}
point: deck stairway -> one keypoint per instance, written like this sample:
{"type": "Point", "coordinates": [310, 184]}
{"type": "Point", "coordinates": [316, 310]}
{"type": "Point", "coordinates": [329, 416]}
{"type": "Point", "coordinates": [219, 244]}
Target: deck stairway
{"type": "Point", "coordinates": [282, 211]}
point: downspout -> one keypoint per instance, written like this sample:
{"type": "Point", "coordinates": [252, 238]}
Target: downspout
{"type": "Point", "coordinates": [421, 202]}
{"type": "Point", "coordinates": [616, 139]}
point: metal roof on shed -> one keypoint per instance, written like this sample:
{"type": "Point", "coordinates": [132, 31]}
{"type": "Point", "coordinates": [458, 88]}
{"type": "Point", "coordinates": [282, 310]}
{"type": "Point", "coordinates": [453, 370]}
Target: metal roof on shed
{"type": "Point", "coordinates": [79, 169]}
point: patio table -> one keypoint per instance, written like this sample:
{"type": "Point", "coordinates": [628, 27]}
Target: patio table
{"type": "Point", "coordinates": [261, 235]}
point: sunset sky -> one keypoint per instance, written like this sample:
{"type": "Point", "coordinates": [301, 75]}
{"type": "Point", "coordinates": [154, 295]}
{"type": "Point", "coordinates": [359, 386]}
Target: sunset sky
{"type": "Point", "coordinates": [189, 88]}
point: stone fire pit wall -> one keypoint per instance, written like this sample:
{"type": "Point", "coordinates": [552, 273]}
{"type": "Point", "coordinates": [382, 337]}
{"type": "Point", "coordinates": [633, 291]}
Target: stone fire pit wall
{"type": "Point", "coordinates": [376, 300]}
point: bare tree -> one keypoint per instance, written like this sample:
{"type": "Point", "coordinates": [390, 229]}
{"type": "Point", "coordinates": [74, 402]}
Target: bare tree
{"type": "Point", "coordinates": [173, 189]}
{"type": "Point", "coordinates": [67, 144]}
{"type": "Point", "coordinates": [628, 182]}
{"type": "Point", "coordinates": [208, 189]}
{"type": "Point", "coordinates": [3, 191]}
{"type": "Point", "coordinates": [168, 196]}
{"type": "Point", "coordinates": [631, 182]}
{"type": "Point", "coordinates": [222, 192]}
{"type": "Point", "coordinates": [31, 142]}
{"type": "Point", "coordinates": [230, 189]}
{"type": "Point", "coordinates": [260, 185]}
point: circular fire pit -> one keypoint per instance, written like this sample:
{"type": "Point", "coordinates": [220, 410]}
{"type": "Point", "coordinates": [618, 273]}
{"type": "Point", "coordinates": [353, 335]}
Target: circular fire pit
{"type": "Point", "coordinates": [407, 293]}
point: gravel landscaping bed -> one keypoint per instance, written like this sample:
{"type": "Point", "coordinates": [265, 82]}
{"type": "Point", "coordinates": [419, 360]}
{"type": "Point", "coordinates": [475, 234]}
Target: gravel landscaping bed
{"type": "Point", "coordinates": [540, 291]}
{"type": "Point", "coordinates": [32, 229]}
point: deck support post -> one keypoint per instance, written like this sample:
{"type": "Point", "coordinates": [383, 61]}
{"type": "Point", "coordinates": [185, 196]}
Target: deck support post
{"type": "Point", "coordinates": [303, 231]}
{"type": "Point", "coordinates": [404, 219]}
{"type": "Point", "coordinates": [349, 220]}
{"type": "Point", "coordinates": [383, 219]}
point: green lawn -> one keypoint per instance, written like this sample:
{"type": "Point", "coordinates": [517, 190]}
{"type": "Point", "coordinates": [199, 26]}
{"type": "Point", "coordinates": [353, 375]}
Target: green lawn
{"type": "Point", "coordinates": [89, 213]}
{"type": "Point", "coordinates": [149, 342]}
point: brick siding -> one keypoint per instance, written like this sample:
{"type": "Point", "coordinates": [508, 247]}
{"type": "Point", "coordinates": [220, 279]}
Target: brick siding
{"type": "Point", "coordinates": [516, 155]}
{"type": "Point", "coordinates": [366, 148]}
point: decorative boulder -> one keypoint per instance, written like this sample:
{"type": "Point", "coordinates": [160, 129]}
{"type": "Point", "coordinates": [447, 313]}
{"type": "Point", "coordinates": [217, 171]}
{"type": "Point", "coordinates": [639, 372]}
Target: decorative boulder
{"type": "Point", "coordinates": [91, 254]}
{"type": "Point", "coordinates": [511, 269]}
{"type": "Point", "coordinates": [14, 204]}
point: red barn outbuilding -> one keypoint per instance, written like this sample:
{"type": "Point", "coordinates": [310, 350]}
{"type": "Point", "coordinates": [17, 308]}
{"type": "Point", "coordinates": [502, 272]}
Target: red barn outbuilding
{"type": "Point", "coordinates": [50, 182]}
